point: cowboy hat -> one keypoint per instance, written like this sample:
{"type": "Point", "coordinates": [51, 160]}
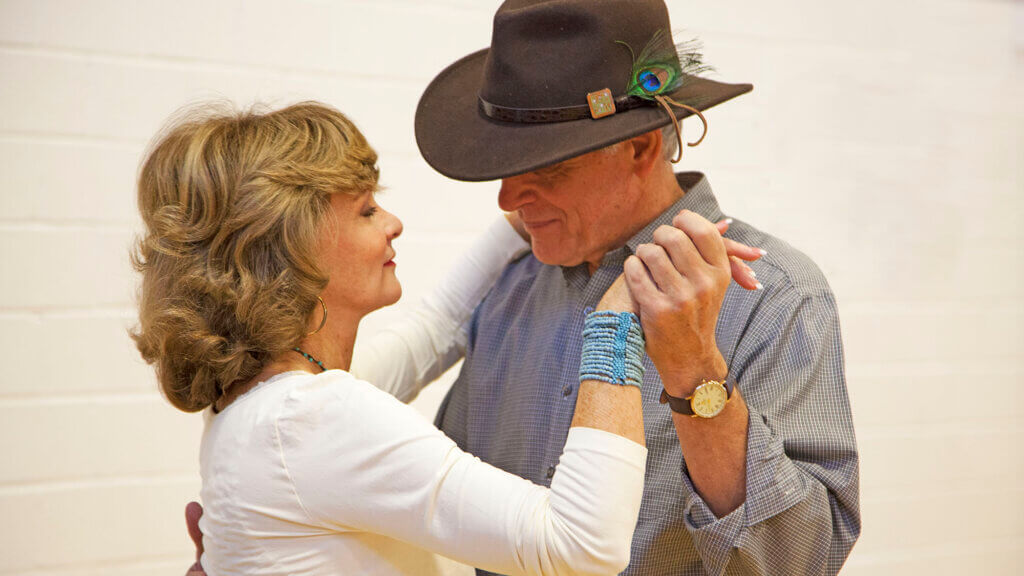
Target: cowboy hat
{"type": "Point", "coordinates": [560, 79]}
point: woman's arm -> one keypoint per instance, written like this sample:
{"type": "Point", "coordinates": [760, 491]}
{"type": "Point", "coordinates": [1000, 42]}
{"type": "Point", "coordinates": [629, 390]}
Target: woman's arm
{"type": "Point", "coordinates": [367, 462]}
{"type": "Point", "coordinates": [430, 338]}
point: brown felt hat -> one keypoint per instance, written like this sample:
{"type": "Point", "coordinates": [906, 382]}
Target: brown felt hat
{"type": "Point", "coordinates": [523, 103]}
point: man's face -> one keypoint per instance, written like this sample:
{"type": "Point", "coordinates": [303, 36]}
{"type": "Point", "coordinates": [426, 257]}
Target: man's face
{"type": "Point", "coordinates": [576, 210]}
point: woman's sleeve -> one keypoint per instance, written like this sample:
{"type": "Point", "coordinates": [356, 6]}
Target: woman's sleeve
{"type": "Point", "coordinates": [431, 337]}
{"type": "Point", "coordinates": [373, 464]}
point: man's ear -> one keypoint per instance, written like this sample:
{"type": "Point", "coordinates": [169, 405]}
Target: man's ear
{"type": "Point", "coordinates": [647, 152]}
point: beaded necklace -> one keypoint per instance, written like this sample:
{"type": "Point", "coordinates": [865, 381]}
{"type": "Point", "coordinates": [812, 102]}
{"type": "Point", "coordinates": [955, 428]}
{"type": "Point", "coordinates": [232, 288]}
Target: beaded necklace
{"type": "Point", "coordinates": [309, 357]}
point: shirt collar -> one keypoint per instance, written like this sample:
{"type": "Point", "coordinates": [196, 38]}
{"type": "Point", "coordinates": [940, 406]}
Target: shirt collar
{"type": "Point", "coordinates": [698, 198]}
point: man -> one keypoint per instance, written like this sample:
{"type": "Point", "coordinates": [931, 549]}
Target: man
{"type": "Point", "coordinates": [768, 485]}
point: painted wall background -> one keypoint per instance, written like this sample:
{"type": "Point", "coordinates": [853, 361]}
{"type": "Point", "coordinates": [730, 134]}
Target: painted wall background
{"type": "Point", "coordinates": [883, 138]}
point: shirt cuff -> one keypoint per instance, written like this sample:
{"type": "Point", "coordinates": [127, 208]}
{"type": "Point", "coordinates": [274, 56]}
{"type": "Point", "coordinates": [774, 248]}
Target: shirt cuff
{"type": "Point", "coordinates": [774, 484]}
{"type": "Point", "coordinates": [597, 440]}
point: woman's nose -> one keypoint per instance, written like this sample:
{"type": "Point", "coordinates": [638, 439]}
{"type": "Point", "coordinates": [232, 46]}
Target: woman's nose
{"type": "Point", "coordinates": [394, 226]}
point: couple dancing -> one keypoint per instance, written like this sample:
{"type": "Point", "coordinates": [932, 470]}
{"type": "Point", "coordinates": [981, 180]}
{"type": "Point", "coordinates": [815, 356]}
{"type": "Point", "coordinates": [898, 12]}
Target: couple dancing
{"type": "Point", "coordinates": [597, 425]}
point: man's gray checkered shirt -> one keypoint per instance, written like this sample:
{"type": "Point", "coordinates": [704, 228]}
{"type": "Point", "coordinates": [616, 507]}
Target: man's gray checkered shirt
{"type": "Point", "coordinates": [514, 400]}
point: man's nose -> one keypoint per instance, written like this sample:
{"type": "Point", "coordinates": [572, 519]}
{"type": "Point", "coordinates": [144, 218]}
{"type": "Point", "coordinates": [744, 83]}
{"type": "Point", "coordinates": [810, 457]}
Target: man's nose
{"type": "Point", "coordinates": [514, 193]}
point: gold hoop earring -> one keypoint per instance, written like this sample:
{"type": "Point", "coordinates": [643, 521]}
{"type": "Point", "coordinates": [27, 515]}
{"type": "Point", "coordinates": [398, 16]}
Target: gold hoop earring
{"type": "Point", "coordinates": [322, 322]}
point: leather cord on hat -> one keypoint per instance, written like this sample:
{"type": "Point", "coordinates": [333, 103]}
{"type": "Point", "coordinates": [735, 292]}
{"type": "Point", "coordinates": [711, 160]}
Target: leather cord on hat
{"type": "Point", "coordinates": [665, 101]}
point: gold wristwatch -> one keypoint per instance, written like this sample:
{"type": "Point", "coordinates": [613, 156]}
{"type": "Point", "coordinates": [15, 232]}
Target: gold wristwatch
{"type": "Point", "coordinates": [707, 401]}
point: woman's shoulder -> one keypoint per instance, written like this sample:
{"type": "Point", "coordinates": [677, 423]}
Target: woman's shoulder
{"type": "Point", "coordinates": [337, 401]}
{"type": "Point", "coordinates": [334, 389]}
{"type": "Point", "coordinates": [301, 396]}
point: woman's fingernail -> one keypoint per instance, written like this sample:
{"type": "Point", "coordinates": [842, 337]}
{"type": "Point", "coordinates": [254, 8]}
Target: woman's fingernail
{"type": "Point", "coordinates": [728, 220]}
{"type": "Point", "coordinates": [751, 272]}
{"type": "Point", "coordinates": [763, 252]}
{"type": "Point", "coordinates": [759, 286]}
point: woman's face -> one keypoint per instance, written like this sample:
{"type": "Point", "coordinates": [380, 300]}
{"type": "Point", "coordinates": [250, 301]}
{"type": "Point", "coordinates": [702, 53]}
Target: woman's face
{"type": "Point", "coordinates": [357, 255]}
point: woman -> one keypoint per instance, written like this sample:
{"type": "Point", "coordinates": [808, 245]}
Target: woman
{"type": "Point", "coordinates": [264, 248]}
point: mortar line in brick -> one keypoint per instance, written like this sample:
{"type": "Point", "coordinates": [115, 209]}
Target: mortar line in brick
{"type": "Point", "coordinates": [889, 559]}
{"type": "Point", "coordinates": [138, 145]}
{"type": "Point", "coordinates": [89, 398]}
{"type": "Point", "coordinates": [68, 138]}
{"type": "Point", "coordinates": [1008, 425]}
{"type": "Point", "coordinates": [911, 487]}
{"type": "Point", "coordinates": [464, 6]}
{"type": "Point", "coordinates": [924, 368]}
{"type": "Point", "coordinates": [924, 491]}
{"type": "Point", "coordinates": [187, 63]}
{"type": "Point", "coordinates": [927, 308]}
{"type": "Point", "coordinates": [55, 225]}
{"type": "Point", "coordinates": [134, 563]}
{"type": "Point", "coordinates": [118, 481]}
{"type": "Point", "coordinates": [126, 312]}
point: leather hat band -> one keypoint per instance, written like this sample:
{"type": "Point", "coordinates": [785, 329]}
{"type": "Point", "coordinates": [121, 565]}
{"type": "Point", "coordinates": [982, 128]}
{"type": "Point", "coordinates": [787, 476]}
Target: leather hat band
{"type": "Point", "coordinates": [550, 115]}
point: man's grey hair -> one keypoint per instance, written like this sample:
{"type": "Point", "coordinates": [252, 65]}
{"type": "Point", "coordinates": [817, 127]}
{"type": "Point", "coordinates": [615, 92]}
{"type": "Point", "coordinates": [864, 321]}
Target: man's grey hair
{"type": "Point", "coordinates": [669, 143]}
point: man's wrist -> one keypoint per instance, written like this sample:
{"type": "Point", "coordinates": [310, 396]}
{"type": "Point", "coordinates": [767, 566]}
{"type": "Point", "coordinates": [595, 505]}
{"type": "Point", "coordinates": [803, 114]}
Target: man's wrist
{"type": "Point", "coordinates": [682, 383]}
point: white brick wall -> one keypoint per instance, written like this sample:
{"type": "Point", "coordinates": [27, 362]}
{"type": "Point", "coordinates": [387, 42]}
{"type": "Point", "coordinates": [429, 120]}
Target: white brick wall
{"type": "Point", "coordinates": [883, 138]}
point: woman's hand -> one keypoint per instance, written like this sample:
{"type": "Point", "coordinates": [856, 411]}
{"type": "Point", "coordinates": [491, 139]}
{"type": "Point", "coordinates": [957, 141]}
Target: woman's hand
{"type": "Point", "coordinates": [741, 273]}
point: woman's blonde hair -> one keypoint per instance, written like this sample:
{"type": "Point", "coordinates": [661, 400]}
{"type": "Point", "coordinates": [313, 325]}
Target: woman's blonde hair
{"type": "Point", "coordinates": [233, 204]}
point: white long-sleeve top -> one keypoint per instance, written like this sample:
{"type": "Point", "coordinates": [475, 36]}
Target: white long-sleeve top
{"type": "Point", "coordinates": [329, 474]}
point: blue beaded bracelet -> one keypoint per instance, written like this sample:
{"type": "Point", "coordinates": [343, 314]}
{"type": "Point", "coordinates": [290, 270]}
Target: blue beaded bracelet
{"type": "Point", "coordinates": [613, 348]}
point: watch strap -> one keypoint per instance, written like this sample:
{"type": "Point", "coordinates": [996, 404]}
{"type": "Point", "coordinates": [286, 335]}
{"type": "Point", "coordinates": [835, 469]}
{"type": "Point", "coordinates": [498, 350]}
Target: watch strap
{"type": "Point", "coordinates": [682, 405]}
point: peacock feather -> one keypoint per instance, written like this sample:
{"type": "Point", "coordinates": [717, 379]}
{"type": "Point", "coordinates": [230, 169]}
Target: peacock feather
{"type": "Point", "coordinates": [662, 67]}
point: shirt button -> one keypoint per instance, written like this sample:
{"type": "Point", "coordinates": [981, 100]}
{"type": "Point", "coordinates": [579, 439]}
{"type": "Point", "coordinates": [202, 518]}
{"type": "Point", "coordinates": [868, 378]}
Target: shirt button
{"type": "Point", "coordinates": [588, 309]}
{"type": "Point", "coordinates": [551, 472]}
{"type": "Point", "coordinates": [567, 391]}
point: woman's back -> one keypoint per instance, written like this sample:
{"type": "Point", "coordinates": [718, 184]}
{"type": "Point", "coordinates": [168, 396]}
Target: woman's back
{"type": "Point", "coordinates": [256, 462]}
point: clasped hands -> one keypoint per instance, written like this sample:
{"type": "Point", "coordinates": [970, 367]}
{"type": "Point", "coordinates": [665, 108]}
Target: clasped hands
{"type": "Point", "coordinates": [676, 285]}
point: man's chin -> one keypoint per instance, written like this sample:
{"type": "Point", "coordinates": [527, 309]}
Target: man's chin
{"type": "Point", "coordinates": [554, 257]}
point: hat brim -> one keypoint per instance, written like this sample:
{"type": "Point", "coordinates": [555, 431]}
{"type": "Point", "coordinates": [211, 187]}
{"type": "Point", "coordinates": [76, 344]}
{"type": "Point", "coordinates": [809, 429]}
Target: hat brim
{"type": "Point", "coordinates": [457, 140]}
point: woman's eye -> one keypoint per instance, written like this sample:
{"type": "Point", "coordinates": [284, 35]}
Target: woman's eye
{"type": "Point", "coordinates": [370, 211]}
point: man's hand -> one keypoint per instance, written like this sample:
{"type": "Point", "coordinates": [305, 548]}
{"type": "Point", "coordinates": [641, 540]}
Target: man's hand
{"type": "Point", "coordinates": [679, 282]}
{"type": "Point", "coordinates": [193, 512]}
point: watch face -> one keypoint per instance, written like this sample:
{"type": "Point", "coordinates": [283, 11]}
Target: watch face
{"type": "Point", "coordinates": [709, 399]}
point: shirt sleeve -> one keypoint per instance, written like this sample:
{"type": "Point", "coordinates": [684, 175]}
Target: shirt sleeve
{"type": "Point", "coordinates": [801, 514]}
{"type": "Point", "coordinates": [430, 338]}
{"type": "Point", "coordinates": [364, 461]}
